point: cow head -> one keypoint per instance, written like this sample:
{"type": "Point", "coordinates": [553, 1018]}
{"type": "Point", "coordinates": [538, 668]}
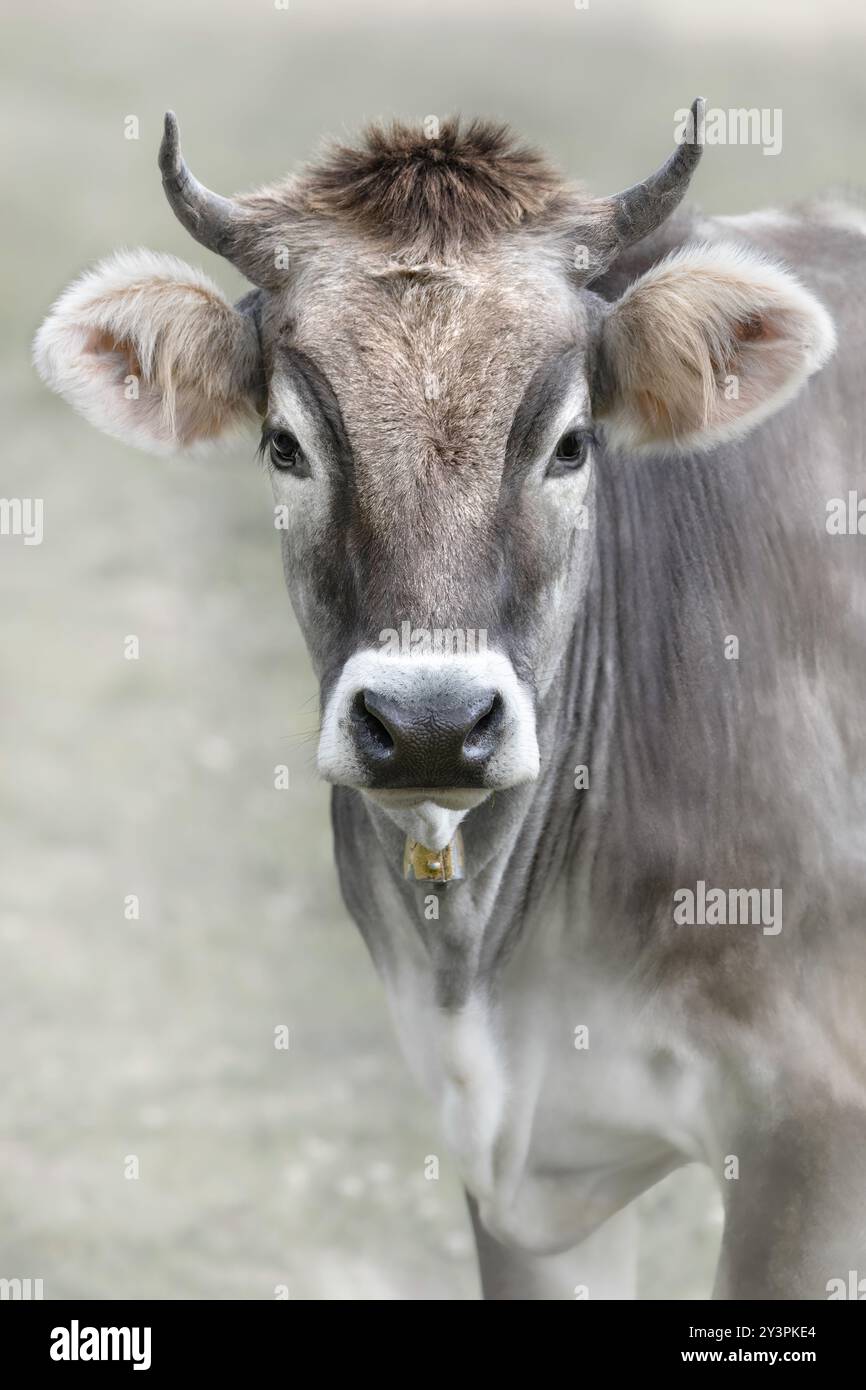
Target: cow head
{"type": "Point", "coordinates": [432, 372]}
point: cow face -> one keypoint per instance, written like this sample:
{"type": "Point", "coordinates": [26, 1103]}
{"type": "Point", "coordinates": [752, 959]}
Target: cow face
{"type": "Point", "coordinates": [429, 436]}
{"type": "Point", "coordinates": [432, 389]}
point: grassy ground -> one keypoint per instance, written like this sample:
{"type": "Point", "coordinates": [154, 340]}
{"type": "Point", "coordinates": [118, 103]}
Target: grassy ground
{"type": "Point", "coordinates": [154, 1038]}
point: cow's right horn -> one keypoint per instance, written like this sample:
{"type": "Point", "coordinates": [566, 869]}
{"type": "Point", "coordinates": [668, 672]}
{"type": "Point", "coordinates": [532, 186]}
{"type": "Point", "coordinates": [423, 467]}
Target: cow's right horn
{"type": "Point", "coordinates": [216, 222]}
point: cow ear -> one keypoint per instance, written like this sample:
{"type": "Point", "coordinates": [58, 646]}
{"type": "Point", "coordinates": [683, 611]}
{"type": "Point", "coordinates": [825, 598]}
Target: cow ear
{"type": "Point", "coordinates": [704, 346]}
{"type": "Point", "coordinates": [152, 352]}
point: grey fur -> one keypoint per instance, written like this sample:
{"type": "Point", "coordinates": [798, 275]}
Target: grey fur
{"type": "Point", "coordinates": [707, 1043]}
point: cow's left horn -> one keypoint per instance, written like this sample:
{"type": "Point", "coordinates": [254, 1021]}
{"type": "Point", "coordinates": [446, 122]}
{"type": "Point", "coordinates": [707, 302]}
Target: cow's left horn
{"type": "Point", "coordinates": [214, 221]}
{"type": "Point", "coordinates": [629, 216]}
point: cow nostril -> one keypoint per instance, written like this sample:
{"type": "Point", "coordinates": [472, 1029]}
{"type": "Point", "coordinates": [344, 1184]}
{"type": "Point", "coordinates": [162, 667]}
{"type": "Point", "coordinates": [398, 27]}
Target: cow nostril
{"type": "Point", "coordinates": [479, 741]}
{"type": "Point", "coordinates": [426, 743]}
{"type": "Point", "coordinates": [374, 733]}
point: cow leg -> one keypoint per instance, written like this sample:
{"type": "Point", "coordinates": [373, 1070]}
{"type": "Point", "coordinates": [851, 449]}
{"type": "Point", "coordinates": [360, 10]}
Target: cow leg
{"type": "Point", "coordinates": [604, 1266]}
{"type": "Point", "coordinates": [796, 1214]}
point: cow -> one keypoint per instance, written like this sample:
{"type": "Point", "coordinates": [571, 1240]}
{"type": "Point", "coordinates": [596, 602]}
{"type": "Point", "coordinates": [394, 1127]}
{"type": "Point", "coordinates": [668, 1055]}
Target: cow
{"type": "Point", "coordinates": [609, 860]}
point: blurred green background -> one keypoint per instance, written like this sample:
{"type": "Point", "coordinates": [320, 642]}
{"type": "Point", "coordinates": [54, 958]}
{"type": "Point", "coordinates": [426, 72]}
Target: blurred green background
{"type": "Point", "coordinates": [155, 1038]}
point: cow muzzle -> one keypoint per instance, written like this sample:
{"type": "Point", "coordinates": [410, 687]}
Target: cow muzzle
{"type": "Point", "coordinates": [426, 741]}
{"type": "Point", "coordinates": [443, 730]}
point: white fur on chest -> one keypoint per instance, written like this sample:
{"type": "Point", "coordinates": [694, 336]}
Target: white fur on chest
{"type": "Point", "coordinates": [537, 1125]}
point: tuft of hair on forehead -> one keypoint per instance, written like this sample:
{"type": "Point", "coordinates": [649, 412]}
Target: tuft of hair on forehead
{"type": "Point", "coordinates": [432, 196]}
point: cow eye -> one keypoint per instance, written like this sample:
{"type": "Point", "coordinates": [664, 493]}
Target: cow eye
{"type": "Point", "coordinates": [571, 452]}
{"type": "Point", "coordinates": [285, 450]}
